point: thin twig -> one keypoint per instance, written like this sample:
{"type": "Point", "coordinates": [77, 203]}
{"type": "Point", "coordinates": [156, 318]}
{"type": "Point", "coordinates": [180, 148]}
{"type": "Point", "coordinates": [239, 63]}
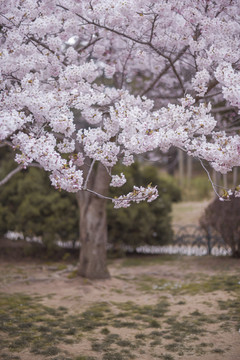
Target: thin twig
{"type": "Point", "coordinates": [88, 175]}
{"type": "Point", "coordinates": [10, 175]}
{"type": "Point", "coordinates": [99, 195]}
{"type": "Point", "coordinates": [177, 76]}
{"type": "Point", "coordinates": [152, 29]}
{"type": "Point", "coordinates": [163, 72]}
{"type": "Point", "coordinates": [209, 177]}
{"type": "Point", "coordinates": [15, 171]}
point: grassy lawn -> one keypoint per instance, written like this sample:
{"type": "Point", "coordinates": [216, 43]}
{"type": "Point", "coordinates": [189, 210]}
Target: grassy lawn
{"type": "Point", "coordinates": [188, 213]}
{"type": "Point", "coordinates": [165, 307]}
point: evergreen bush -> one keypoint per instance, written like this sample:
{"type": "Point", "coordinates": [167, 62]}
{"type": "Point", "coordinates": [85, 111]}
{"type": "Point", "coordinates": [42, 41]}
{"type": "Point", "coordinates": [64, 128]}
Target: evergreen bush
{"type": "Point", "coordinates": [143, 223]}
{"type": "Point", "coordinates": [30, 205]}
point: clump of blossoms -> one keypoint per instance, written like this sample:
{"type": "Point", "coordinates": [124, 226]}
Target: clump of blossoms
{"type": "Point", "coordinates": [117, 180]}
{"type": "Point", "coordinates": [104, 81]}
{"type": "Point", "coordinates": [138, 194]}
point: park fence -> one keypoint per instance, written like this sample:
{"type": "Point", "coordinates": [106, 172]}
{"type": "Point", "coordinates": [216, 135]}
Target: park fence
{"type": "Point", "coordinates": [188, 240]}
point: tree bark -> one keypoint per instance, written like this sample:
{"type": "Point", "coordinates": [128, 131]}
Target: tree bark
{"type": "Point", "coordinates": [93, 226]}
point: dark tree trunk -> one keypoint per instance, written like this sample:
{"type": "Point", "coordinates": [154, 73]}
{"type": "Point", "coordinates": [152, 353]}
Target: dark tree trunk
{"type": "Point", "coordinates": [172, 161]}
{"type": "Point", "coordinates": [93, 226]}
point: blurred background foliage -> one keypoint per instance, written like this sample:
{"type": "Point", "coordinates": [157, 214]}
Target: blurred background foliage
{"type": "Point", "coordinates": [143, 223]}
{"type": "Point", "coordinates": [30, 205]}
{"type": "Point", "coordinates": [223, 217]}
{"type": "Point", "coordinates": [198, 189]}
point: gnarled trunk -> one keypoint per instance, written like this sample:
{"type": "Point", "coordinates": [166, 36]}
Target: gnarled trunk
{"type": "Point", "coordinates": [93, 226]}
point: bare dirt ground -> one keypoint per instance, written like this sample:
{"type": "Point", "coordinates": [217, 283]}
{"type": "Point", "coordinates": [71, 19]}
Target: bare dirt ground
{"type": "Point", "coordinates": [165, 307]}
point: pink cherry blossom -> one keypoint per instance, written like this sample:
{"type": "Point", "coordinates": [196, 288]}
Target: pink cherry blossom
{"type": "Point", "coordinates": [107, 80]}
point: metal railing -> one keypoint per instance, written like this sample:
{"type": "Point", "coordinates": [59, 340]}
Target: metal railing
{"type": "Point", "coordinates": [192, 235]}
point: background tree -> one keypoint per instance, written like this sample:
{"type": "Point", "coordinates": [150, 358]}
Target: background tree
{"type": "Point", "coordinates": [168, 62]}
{"type": "Point", "coordinates": [224, 218]}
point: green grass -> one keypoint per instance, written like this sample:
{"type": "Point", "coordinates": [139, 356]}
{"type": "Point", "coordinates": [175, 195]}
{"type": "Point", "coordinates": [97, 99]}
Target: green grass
{"type": "Point", "coordinates": [167, 357]}
{"type": "Point", "coordinates": [10, 357]}
{"type": "Point", "coordinates": [227, 283]}
{"type": "Point", "coordinates": [202, 284]}
{"type": "Point", "coordinates": [159, 325]}
{"type": "Point", "coordinates": [30, 325]}
{"type": "Point", "coordinates": [73, 274]}
{"type": "Point", "coordinates": [148, 260]}
{"type": "Point", "coordinates": [218, 351]}
{"type": "Point", "coordinates": [26, 323]}
{"type": "Point", "coordinates": [231, 310]}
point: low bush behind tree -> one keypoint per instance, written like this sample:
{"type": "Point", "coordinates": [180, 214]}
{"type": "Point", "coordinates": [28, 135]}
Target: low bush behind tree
{"type": "Point", "coordinates": [143, 223]}
{"type": "Point", "coordinates": [28, 204]}
{"type": "Point", "coordinates": [224, 218]}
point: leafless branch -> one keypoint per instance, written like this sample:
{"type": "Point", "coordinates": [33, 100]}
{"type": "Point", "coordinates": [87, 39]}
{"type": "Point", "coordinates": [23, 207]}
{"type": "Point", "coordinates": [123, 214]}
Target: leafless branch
{"type": "Point", "coordinates": [211, 85]}
{"type": "Point", "coordinates": [124, 67]}
{"type": "Point", "coordinates": [89, 44]}
{"type": "Point", "coordinates": [129, 37]}
{"type": "Point", "coordinates": [15, 171]}
{"type": "Point", "coordinates": [177, 76]}
{"type": "Point", "coordinates": [210, 179]}
{"type": "Point", "coordinates": [152, 29]}
{"type": "Point", "coordinates": [163, 72]}
{"type": "Point", "coordinates": [10, 175]}
{"type": "Point", "coordinates": [6, 143]}
{"type": "Point", "coordinates": [88, 175]}
{"type": "Point", "coordinates": [99, 195]}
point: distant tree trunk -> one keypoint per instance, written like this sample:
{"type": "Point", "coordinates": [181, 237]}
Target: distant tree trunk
{"type": "Point", "coordinates": [181, 167]}
{"type": "Point", "coordinates": [93, 226]}
{"type": "Point", "coordinates": [225, 181]}
{"type": "Point", "coordinates": [189, 170]}
{"type": "Point", "coordinates": [172, 161]}
{"type": "Point", "coordinates": [235, 177]}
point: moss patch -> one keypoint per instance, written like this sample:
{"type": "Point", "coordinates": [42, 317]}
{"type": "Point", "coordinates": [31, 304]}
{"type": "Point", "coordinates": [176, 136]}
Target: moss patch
{"type": "Point", "coordinates": [164, 319]}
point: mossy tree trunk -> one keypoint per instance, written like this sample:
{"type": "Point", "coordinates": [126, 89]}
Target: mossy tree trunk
{"type": "Point", "coordinates": [93, 226]}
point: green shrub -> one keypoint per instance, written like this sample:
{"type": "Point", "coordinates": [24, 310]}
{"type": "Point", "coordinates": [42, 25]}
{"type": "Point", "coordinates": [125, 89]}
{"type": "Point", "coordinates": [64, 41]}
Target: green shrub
{"type": "Point", "coordinates": [29, 204]}
{"type": "Point", "coordinates": [143, 223]}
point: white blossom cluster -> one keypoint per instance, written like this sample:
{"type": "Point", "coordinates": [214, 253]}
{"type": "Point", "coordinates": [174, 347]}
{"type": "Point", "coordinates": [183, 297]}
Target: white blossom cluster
{"type": "Point", "coordinates": [105, 80]}
{"type": "Point", "coordinates": [118, 181]}
{"type": "Point", "coordinates": [138, 194]}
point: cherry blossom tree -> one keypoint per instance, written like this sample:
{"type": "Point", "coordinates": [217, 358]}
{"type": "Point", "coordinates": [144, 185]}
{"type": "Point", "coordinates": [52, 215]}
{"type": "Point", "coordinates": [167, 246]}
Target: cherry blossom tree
{"type": "Point", "coordinates": [85, 84]}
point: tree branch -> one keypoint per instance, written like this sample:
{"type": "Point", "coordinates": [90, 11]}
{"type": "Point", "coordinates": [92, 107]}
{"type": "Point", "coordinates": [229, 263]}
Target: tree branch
{"type": "Point", "coordinates": [10, 175]}
{"type": "Point", "coordinates": [15, 171]}
{"type": "Point", "coordinates": [152, 29]}
{"type": "Point", "coordinates": [211, 85]}
{"type": "Point", "coordinates": [89, 44]}
{"type": "Point", "coordinates": [177, 76]}
{"type": "Point", "coordinates": [88, 175]}
{"type": "Point", "coordinates": [167, 67]}
{"type": "Point", "coordinates": [129, 37]}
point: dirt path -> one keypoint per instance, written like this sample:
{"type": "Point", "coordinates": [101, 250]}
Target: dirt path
{"type": "Point", "coordinates": [163, 307]}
